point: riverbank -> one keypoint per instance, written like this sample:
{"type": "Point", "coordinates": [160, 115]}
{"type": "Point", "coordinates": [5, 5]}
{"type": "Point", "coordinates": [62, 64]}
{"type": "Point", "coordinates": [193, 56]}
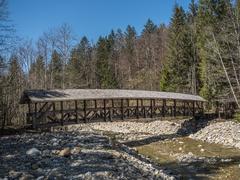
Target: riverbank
{"type": "Point", "coordinates": [216, 131]}
{"type": "Point", "coordinates": [149, 149]}
{"type": "Point", "coordinates": [72, 155]}
{"type": "Point", "coordinates": [226, 133]}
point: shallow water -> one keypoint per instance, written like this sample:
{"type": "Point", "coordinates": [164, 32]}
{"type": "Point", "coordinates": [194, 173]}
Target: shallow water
{"type": "Point", "coordinates": [219, 162]}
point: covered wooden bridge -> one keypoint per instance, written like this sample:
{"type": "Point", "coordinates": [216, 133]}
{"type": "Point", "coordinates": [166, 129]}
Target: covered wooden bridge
{"type": "Point", "coordinates": [60, 107]}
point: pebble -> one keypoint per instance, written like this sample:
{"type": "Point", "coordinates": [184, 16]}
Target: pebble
{"type": "Point", "coordinates": [224, 133]}
{"type": "Point", "coordinates": [14, 174]}
{"type": "Point", "coordinates": [76, 150]}
{"type": "Point", "coordinates": [65, 152]}
{"type": "Point", "coordinates": [202, 150]}
{"type": "Point", "coordinates": [33, 152]}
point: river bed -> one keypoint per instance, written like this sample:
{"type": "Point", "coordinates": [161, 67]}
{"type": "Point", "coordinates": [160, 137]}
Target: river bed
{"type": "Point", "coordinates": [192, 159]}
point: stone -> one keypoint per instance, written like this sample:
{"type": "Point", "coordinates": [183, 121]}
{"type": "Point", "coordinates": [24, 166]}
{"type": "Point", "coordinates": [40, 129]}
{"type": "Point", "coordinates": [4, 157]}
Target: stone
{"type": "Point", "coordinates": [55, 144]}
{"type": "Point", "coordinates": [46, 152]}
{"type": "Point", "coordinates": [40, 178]}
{"type": "Point", "coordinates": [237, 145]}
{"type": "Point", "coordinates": [35, 166]}
{"type": "Point", "coordinates": [14, 174]}
{"type": "Point", "coordinates": [199, 145]}
{"type": "Point", "coordinates": [55, 174]}
{"type": "Point", "coordinates": [76, 150]}
{"type": "Point", "coordinates": [180, 149]}
{"type": "Point", "coordinates": [66, 152]}
{"type": "Point", "coordinates": [202, 150]}
{"type": "Point", "coordinates": [33, 152]}
{"type": "Point", "coordinates": [26, 177]}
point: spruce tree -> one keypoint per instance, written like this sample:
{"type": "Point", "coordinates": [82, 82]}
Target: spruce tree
{"type": "Point", "coordinates": [104, 73]}
{"type": "Point", "coordinates": [79, 66]}
{"type": "Point", "coordinates": [210, 14]}
{"type": "Point", "coordinates": [149, 27]}
{"type": "Point", "coordinates": [56, 67]}
{"type": "Point", "coordinates": [39, 72]}
{"type": "Point", "coordinates": [176, 70]}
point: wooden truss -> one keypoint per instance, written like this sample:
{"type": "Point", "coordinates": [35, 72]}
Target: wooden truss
{"type": "Point", "coordinates": [77, 111]}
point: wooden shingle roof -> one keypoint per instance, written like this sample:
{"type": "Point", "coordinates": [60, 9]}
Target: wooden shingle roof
{"type": "Point", "coordinates": [34, 96]}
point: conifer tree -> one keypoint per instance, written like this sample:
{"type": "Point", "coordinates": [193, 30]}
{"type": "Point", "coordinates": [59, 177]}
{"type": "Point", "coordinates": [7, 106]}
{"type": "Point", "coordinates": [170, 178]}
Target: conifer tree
{"type": "Point", "coordinates": [56, 70]}
{"type": "Point", "coordinates": [104, 72]}
{"type": "Point", "coordinates": [40, 69]}
{"type": "Point", "coordinates": [79, 67]}
{"type": "Point", "coordinates": [210, 14]}
{"type": "Point", "coordinates": [149, 27]}
{"type": "Point", "coordinates": [176, 70]}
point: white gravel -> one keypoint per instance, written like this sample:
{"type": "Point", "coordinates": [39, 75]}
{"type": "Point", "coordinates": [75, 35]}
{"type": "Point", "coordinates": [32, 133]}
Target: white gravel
{"type": "Point", "coordinates": [225, 133]}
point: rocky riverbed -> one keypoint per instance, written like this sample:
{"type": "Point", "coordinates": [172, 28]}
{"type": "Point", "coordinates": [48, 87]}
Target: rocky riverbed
{"type": "Point", "coordinates": [225, 133]}
{"type": "Point", "coordinates": [158, 149]}
{"type": "Point", "coordinates": [72, 155]}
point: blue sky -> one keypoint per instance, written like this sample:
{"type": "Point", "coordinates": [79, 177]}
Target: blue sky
{"type": "Point", "coordinates": [87, 17]}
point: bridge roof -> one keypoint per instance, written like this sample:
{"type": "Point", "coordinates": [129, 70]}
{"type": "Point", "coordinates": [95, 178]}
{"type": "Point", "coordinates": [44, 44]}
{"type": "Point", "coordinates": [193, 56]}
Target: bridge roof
{"type": "Point", "coordinates": [34, 96]}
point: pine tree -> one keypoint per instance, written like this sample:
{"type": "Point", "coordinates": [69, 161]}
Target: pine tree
{"type": "Point", "coordinates": [176, 70]}
{"type": "Point", "coordinates": [56, 70]}
{"type": "Point", "coordinates": [210, 14]}
{"type": "Point", "coordinates": [79, 67]}
{"type": "Point", "coordinates": [39, 72]}
{"type": "Point", "coordinates": [193, 53]}
{"type": "Point", "coordinates": [149, 27]}
{"type": "Point", "coordinates": [13, 90]}
{"type": "Point", "coordinates": [130, 38]}
{"type": "Point", "coordinates": [104, 73]}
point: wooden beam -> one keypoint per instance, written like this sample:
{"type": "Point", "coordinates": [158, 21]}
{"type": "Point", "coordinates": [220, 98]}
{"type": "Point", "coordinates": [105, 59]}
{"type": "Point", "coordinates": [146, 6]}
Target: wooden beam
{"type": "Point", "coordinates": [84, 111]}
{"type": "Point", "coordinates": [104, 110]}
{"type": "Point", "coordinates": [202, 107]}
{"type": "Point", "coordinates": [54, 110]}
{"type": "Point", "coordinates": [137, 110]}
{"type": "Point", "coordinates": [128, 113]}
{"type": "Point", "coordinates": [62, 115]}
{"type": "Point", "coordinates": [76, 111]}
{"type": "Point", "coordinates": [151, 108]}
{"type": "Point", "coordinates": [34, 123]}
{"type": "Point", "coordinates": [29, 112]}
{"type": "Point", "coordinates": [184, 108]}
{"type": "Point", "coordinates": [122, 110]}
{"type": "Point", "coordinates": [193, 108]}
{"type": "Point", "coordinates": [163, 107]}
{"type": "Point", "coordinates": [95, 104]}
{"type": "Point", "coordinates": [174, 107]}
{"type": "Point", "coordinates": [143, 109]}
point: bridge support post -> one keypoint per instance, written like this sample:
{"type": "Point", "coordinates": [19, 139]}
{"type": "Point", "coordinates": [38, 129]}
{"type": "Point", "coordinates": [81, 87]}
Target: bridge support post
{"type": "Point", "coordinates": [151, 108]}
{"type": "Point", "coordinates": [193, 108]}
{"type": "Point", "coordinates": [128, 113]}
{"type": "Point", "coordinates": [137, 110]}
{"type": "Point", "coordinates": [84, 111]}
{"type": "Point", "coordinates": [34, 122]}
{"type": "Point", "coordinates": [76, 111]}
{"type": "Point", "coordinates": [174, 107]}
{"type": "Point", "coordinates": [163, 107]}
{"type": "Point", "coordinates": [62, 115]}
{"type": "Point", "coordinates": [104, 110]}
{"type": "Point", "coordinates": [122, 110]}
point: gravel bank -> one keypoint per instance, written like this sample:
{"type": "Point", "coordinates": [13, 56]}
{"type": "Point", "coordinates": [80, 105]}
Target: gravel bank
{"type": "Point", "coordinates": [132, 130]}
{"type": "Point", "coordinates": [225, 133]}
{"type": "Point", "coordinates": [71, 155]}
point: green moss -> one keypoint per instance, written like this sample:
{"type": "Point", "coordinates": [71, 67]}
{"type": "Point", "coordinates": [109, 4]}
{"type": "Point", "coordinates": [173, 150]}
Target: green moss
{"type": "Point", "coordinates": [236, 117]}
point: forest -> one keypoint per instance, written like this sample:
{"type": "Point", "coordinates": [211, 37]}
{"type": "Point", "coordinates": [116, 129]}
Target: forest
{"type": "Point", "coordinates": [198, 52]}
